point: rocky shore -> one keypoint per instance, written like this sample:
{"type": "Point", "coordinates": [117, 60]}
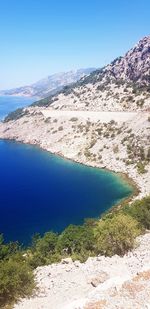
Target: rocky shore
{"type": "Point", "coordinates": [102, 140]}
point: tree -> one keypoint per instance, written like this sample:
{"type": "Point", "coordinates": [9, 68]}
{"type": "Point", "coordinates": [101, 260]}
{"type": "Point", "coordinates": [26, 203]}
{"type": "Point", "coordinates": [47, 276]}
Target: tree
{"type": "Point", "coordinates": [43, 250]}
{"type": "Point", "coordinates": [116, 235]}
{"type": "Point", "coordinates": [76, 239]}
{"type": "Point", "coordinates": [140, 210]}
{"type": "Point", "coordinates": [16, 279]}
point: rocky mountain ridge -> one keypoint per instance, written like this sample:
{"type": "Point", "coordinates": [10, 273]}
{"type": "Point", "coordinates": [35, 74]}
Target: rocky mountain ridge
{"type": "Point", "coordinates": [135, 65]}
{"type": "Point", "coordinates": [122, 85]}
{"type": "Point", "coordinates": [49, 85]}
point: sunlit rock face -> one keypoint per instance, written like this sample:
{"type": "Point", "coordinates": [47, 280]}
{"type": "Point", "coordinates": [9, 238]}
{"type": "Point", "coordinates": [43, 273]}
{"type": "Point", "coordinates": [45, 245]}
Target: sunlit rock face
{"type": "Point", "coordinates": [135, 65]}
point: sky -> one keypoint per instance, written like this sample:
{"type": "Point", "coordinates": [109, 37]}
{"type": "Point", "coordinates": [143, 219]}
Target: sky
{"type": "Point", "coordinates": [43, 37]}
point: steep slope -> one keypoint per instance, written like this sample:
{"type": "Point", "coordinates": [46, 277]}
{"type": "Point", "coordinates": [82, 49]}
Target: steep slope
{"type": "Point", "coordinates": [115, 87]}
{"type": "Point", "coordinates": [49, 85]}
{"type": "Point", "coordinates": [102, 120]}
{"type": "Point", "coordinates": [135, 65]}
{"type": "Point", "coordinates": [122, 85]}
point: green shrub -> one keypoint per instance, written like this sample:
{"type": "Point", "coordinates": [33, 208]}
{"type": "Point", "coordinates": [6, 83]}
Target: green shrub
{"type": "Point", "coordinates": [148, 154]}
{"type": "Point", "coordinates": [116, 235]}
{"type": "Point", "coordinates": [140, 102]}
{"type": "Point", "coordinates": [60, 128]}
{"type": "Point", "coordinates": [16, 279]}
{"type": "Point", "coordinates": [43, 250]}
{"type": "Point", "coordinates": [140, 210]}
{"type": "Point", "coordinates": [141, 168]}
{"type": "Point", "coordinates": [76, 240]}
{"type": "Point", "coordinates": [74, 119]}
{"type": "Point", "coordinates": [45, 244]}
{"type": "Point", "coordinates": [18, 113]}
{"type": "Point", "coordinates": [115, 149]}
{"type": "Point", "coordinates": [7, 250]}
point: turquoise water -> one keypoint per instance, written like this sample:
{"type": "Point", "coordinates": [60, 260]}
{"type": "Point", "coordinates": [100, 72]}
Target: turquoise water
{"type": "Point", "coordinates": [40, 191]}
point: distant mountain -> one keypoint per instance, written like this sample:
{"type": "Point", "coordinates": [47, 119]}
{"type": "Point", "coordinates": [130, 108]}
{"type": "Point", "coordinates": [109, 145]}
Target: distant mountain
{"type": "Point", "coordinates": [49, 85]}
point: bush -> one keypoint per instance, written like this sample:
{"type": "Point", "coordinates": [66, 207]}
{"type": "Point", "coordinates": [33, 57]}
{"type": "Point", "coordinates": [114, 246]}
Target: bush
{"type": "Point", "coordinates": [60, 128]}
{"type": "Point", "coordinates": [141, 168]}
{"type": "Point", "coordinates": [16, 279]}
{"type": "Point", "coordinates": [116, 235]}
{"type": "Point", "coordinates": [45, 244]}
{"type": "Point", "coordinates": [6, 250]}
{"type": "Point", "coordinates": [43, 250]}
{"type": "Point", "coordinates": [18, 113]}
{"type": "Point", "coordinates": [115, 149]}
{"type": "Point", "coordinates": [140, 102]}
{"type": "Point", "coordinates": [140, 210]}
{"type": "Point", "coordinates": [74, 119]}
{"type": "Point", "coordinates": [76, 240]}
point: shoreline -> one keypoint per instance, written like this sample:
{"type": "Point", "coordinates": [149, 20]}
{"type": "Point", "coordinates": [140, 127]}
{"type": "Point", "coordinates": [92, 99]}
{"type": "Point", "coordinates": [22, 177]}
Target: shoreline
{"type": "Point", "coordinates": [122, 176]}
{"type": "Point", "coordinates": [81, 141]}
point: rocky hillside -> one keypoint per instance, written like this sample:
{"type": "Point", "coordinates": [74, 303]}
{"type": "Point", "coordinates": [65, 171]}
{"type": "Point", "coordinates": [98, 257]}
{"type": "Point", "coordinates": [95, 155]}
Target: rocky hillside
{"type": "Point", "coordinates": [122, 85]}
{"type": "Point", "coordinates": [135, 65]}
{"type": "Point", "coordinates": [101, 120]}
{"type": "Point", "coordinates": [49, 85]}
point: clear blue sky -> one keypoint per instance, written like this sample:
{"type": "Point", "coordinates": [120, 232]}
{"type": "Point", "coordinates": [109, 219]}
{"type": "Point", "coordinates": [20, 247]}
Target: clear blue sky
{"type": "Point", "coordinates": [41, 37]}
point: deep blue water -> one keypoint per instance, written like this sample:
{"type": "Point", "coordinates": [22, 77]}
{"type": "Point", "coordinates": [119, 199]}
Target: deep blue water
{"type": "Point", "coordinates": [40, 191]}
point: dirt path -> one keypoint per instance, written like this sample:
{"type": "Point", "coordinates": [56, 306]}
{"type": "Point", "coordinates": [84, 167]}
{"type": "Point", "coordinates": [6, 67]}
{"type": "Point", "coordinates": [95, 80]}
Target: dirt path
{"type": "Point", "coordinates": [91, 115]}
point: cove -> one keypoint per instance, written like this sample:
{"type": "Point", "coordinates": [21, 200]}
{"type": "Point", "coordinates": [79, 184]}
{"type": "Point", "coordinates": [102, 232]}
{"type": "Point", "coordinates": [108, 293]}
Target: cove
{"type": "Point", "coordinates": [40, 191]}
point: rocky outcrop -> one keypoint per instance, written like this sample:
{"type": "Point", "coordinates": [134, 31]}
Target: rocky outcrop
{"type": "Point", "coordinates": [135, 65]}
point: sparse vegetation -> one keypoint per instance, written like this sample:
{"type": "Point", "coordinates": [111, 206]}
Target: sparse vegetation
{"type": "Point", "coordinates": [116, 149]}
{"type": "Point", "coordinates": [141, 168]}
{"type": "Point", "coordinates": [140, 210]}
{"type": "Point", "coordinates": [60, 128]}
{"type": "Point", "coordinates": [16, 276]}
{"type": "Point", "coordinates": [18, 113]}
{"type": "Point", "coordinates": [74, 119]}
{"type": "Point", "coordinates": [140, 102]}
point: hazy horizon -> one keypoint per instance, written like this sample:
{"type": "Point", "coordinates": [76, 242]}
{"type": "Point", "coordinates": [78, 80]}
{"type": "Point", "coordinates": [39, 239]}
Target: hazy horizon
{"type": "Point", "coordinates": [43, 38]}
